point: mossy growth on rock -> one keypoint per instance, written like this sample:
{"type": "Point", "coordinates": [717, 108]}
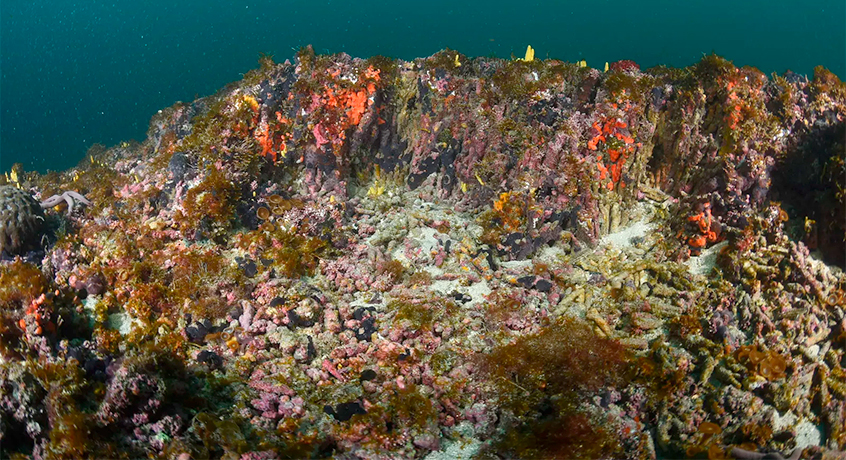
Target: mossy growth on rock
{"type": "Point", "coordinates": [570, 435]}
{"type": "Point", "coordinates": [196, 276]}
{"type": "Point", "coordinates": [400, 410]}
{"type": "Point", "coordinates": [287, 251]}
{"type": "Point", "coordinates": [393, 269]}
{"type": "Point", "coordinates": [624, 86]}
{"type": "Point", "coordinates": [826, 81]}
{"type": "Point", "coordinates": [266, 67]}
{"type": "Point", "coordinates": [563, 361]}
{"type": "Point", "coordinates": [659, 372]}
{"type": "Point", "coordinates": [541, 379]}
{"type": "Point", "coordinates": [445, 60]}
{"type": "Point", "coordinates": [502, 305]}
{"type": "Point", "coordinates": [223, 132]}
{"type": "Point", "coordinates": [20, 282]}
{"type": "Point", "coordinates": [509, 219]}
{"type": "Point", "coordinates": [209, 208]}
{"type": "Point", "coordinates": [220, 437]}
{"type": "Point", "coordinates": [422, 313]}
{"type": "Point", "coordinates": [388, 68]}
{"type": "Point", "coordinates": [714, 66]}
{"type": "Point", "coordinates": [63, 385]}
{"type": "Point", "coordinates": [518, 80]}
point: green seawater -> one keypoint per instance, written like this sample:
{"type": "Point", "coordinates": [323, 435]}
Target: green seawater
{"type": "Point", "coordinates": [76, 73]}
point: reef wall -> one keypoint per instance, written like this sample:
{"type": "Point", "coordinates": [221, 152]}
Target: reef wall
{"type": "Point", "coordinates": [448, 256]}
{"type": "Point", "coordinates": [580, 143]}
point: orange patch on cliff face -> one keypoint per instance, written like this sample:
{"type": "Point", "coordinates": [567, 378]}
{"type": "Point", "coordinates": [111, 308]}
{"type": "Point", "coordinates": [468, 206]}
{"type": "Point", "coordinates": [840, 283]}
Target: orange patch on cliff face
{"type": "Point", "coordinates": [271, 136]}
{"type": "Point", "coordinates": [616, 172]}
{"type": "Point", "coordinates": [372, 73]}
{"type": "Point", "coordinates": [351, 103]}
{"type": "Point", "coordinates": [263, 138]}
{"type": "Point", "coordinates": [605, 130]}
{"type": "Point", "coordinates": [357, 101]}
{"type": "Point", "coordinates": [592, 143]}
{"type": "Point", "coordinates": [338, 107]}
{"type": "Point", "coordinates": [697, 242]}
{"type": "Point", "coordinates": [603, 171]}
{"type": "Point", "coordinates": [707, 228]}
{"type": "Point", "coordinates": [613, 154]}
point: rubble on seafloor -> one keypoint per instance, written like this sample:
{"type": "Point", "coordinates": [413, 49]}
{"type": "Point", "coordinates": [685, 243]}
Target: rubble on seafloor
{"type": "Point", "coordinates": [451, 257]}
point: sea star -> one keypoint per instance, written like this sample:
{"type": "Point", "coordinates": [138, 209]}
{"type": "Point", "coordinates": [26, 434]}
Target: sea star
{"type": "Point", "coordinates": [70, 197]}
{"type": "Point", "coordinates": [750, 455]}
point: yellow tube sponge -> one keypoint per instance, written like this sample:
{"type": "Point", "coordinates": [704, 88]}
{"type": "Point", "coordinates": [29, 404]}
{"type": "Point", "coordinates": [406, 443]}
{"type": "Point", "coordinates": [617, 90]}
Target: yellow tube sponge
{"type": "Point", "coordinates": [530, 54]}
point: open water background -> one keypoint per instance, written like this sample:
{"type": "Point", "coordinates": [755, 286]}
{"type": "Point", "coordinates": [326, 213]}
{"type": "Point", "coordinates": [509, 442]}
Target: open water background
{"type": "Point", "coordinates": [74, 73]}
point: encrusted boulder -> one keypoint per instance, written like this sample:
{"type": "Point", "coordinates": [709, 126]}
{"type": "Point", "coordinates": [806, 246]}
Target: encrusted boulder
{"type": "Point", "coordinates": [21, 221]}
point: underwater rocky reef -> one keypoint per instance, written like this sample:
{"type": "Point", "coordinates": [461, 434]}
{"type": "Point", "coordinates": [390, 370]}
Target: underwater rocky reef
{"type": "Point", "coordinates": [450, 257]}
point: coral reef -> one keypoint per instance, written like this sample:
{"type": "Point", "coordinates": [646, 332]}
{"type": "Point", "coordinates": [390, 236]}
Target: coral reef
{"type": "Point", "coordinates": [451, 256]}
